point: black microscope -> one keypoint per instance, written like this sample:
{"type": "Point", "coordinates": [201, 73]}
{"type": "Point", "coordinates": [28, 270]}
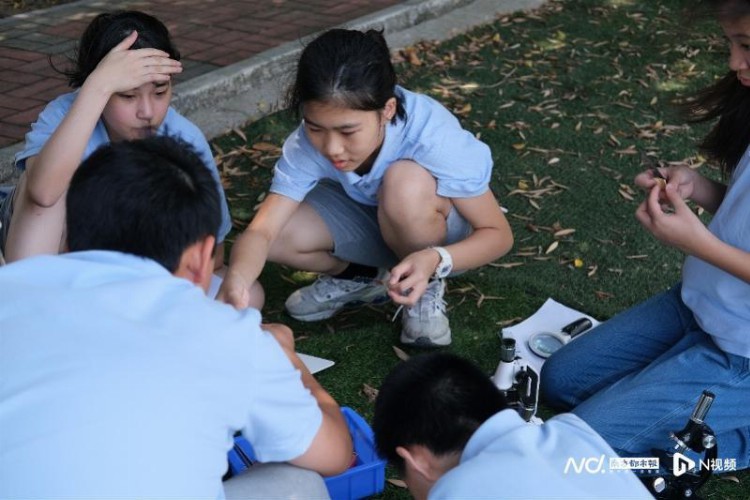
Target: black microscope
{"type": "Point", "coordinates": [682, 480]}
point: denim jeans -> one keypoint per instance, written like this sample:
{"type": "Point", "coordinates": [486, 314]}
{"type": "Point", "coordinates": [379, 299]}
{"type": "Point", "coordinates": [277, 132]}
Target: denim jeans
{"type": "Point", "coordinates": [637, 377]}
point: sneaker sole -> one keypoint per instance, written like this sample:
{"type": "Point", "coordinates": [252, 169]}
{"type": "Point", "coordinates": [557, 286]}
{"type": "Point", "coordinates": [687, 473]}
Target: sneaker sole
{"type": "Point", "coordinates": [427, 342]}
{"type": "Point", "coordinates": [321, 315]}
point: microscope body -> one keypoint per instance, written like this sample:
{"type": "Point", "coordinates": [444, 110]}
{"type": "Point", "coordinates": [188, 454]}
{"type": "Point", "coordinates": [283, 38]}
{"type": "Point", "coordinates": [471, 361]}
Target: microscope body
{"type": "Point", "coordinates": [518, 382]}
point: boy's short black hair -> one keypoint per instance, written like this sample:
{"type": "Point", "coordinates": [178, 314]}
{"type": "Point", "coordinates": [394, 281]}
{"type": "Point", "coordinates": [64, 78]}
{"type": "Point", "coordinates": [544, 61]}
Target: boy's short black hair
{"type": "Point", "coordinates": [436, 400]}
{"type": "Point", "coordinates": [150, 197]}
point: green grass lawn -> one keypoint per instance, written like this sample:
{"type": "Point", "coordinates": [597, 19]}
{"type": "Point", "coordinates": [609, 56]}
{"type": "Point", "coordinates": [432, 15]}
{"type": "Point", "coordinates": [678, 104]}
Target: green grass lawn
{"type": "Point", "coordinates": [566, 97]}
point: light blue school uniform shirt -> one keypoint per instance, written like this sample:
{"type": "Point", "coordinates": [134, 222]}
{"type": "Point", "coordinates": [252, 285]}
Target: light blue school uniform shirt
{"type": "Point", "coordinates": [720, 301]}
{"type": "Point", "coordinates": [119, 380]}
{"type": "Point", "coordinates": [174, 125]}
{"type": "Point", "coordinates": [430, 136]}
{"type": "Point", "coordinates": [509, 458]}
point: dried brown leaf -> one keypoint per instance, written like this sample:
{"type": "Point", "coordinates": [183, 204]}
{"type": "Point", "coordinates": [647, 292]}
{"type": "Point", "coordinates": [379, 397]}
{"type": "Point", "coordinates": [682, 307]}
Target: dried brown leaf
{"type": "Point", "coordinates": [370, 393]}
{"type": "Point", "coordinates": [552, 247]}
{"type": "Point", "coordinates": [240, 133]}
{"type": "Point", "coordinates": [505, 265]}
{"type": "Point", "coordinates": [625, 194]}
{"type": "Point", "coordinates": [400, 354]}
{"type": "Point", "coordinates": [266, 147]}
{"type": "Point", "coordinates": [510, 321]}
{"type": "Point", "coordinates": [734, 479]}
{"type": "Point", "coordinates": [463, 110]}
{"type": "Point", "coordinates": [563, 232]}
{"type": "Point", "coordinates": [483, 297]}
{"type": "Point", "coordinates": [397, 483]}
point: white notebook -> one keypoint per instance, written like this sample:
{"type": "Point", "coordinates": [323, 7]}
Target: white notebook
{"type": "Point", "coordinates": [551, 317]}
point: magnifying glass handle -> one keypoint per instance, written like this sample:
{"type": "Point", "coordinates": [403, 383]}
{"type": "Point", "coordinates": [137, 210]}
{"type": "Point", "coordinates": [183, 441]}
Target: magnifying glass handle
{"type": "Point", "coordinates": [577, 327]}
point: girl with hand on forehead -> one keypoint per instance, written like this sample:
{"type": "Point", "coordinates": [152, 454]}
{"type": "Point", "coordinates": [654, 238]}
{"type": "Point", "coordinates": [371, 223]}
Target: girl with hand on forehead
{"type": "Point", "coordinates": [379, 189]}
{"type": "Point", "coordinates": [122, 77]}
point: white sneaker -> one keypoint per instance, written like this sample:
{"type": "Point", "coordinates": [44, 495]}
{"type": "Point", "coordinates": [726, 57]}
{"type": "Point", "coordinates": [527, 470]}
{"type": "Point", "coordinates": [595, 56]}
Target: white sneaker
{"type": "Point", "coordinates": [329, 295]}
{"type": "Point", "coordinates": [425, 323]}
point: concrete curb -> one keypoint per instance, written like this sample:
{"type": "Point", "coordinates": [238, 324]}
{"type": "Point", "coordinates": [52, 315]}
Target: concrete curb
{"type": "Point", "coordinates": [231, 96]}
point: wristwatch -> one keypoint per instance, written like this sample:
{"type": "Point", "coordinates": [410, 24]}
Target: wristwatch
{"type": "Point", "coordinates": [445, 265]}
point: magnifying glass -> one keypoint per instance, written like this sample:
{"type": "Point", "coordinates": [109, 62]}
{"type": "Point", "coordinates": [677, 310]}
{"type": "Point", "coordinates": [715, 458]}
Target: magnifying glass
{"type": "Point", "coordinates": [544, 344]}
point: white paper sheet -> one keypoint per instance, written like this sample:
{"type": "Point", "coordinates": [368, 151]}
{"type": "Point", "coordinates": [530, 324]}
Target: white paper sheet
{"type": "Point", "coordinates": [313, 363]}
{"type": "Point", "coordinates": [551, 317]}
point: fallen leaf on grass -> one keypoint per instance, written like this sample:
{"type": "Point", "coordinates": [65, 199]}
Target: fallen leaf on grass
{"type": "Point", "coordinates": [601, 295]}
{"type": "Point", "coordinates": [625, 195]}
{"type": "Point", "coordinates": [506, 265]}
{"type": "Point", "coordinates": [370, 393]}
{"type": "Point", "coordinates": [400, 354]}
{"type": "Point", "coordinates": [734, 479]}
{"type": "Point", "coordinates": [398, 483]}
{"type": "Point", "coordinates": [507, 322]}
{"type": "Point", "coordinates": [266, 146]}
{"type": "Point", "coordinates": [463, 110]}
{"type": "Point", "coordinates": [563, 232]}
{"type": "Point", "coordinates": [240, 133]}
{"type": "Point", "coordinates": [410, 54]}
{"type": "Point", "coordinates": [552, 247]}
{"type": "Point", "coordinates": [483, 297]}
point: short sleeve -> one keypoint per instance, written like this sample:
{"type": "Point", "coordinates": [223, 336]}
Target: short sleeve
{"type": "Point", "coordinates": [461, 163]}
{"type": "Point", "coordinates": [434, 138]}
{"type": "Point", "coordinates": [44, 126]}
{"type": "Point", "coordinates": [284, 417]}
{"type": "Point", "coordinates": [299, 169]}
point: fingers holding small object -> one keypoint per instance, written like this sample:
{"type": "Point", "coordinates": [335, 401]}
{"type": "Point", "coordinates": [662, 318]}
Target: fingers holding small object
{"type": "Point", "coordinates": [661, 181]}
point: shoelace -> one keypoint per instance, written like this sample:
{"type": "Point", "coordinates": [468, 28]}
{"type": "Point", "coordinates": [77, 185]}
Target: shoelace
{"type": "Point", "coordinates": [429, 301]}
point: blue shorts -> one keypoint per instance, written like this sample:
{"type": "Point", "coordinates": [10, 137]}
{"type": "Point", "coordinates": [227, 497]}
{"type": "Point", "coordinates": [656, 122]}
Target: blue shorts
{"type": "Point", "coordinates": [355, 230]}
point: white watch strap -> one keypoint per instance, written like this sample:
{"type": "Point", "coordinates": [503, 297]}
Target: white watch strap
{"type": "Point", "coordinates": [445, 266]}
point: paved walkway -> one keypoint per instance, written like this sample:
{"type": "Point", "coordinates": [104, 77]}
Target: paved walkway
{"type": "Point", "coordinates": [210, 34]}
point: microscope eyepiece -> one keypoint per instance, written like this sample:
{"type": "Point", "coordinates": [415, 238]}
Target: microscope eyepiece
{"type": "Point", "coordinates": [702, 407]}
{"type": "Point", "coordinates": [508, 350]}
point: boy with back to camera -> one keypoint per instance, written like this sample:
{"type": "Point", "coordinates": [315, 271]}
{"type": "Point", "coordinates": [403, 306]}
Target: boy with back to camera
{"type": "Point", "coordinates": [448, 430]}
{"type": "Point", "coordinates": [120, 378]}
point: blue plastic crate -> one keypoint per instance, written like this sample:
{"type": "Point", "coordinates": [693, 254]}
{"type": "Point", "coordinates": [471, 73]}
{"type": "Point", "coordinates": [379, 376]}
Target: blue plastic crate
{"type": "Point", "coordinates": [366, 477]}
